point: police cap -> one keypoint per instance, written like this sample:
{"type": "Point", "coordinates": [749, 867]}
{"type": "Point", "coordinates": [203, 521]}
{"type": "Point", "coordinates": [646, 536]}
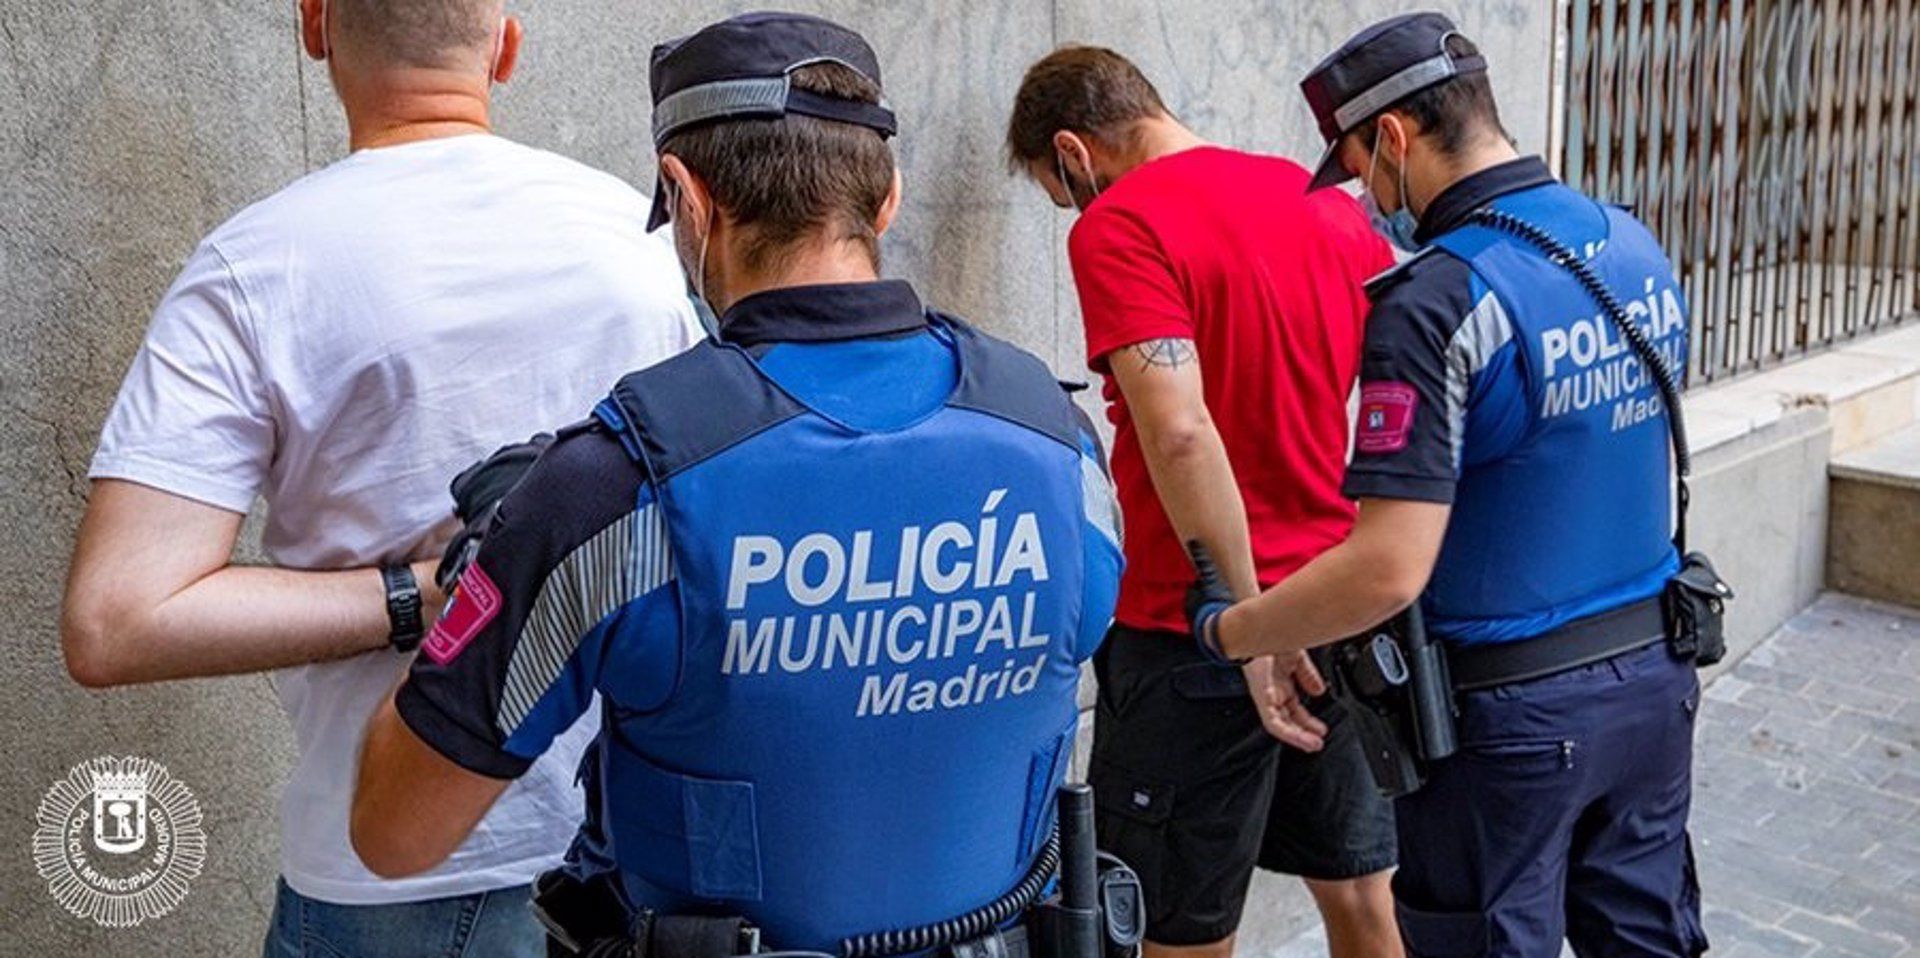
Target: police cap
{"type": "Point", "coordinates": [741, 68]}
{"type": "Point", "coordinates": [1381, 66]}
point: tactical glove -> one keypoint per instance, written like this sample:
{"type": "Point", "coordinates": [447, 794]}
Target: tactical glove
{"type": "Point", "coordinates": [477, 492]}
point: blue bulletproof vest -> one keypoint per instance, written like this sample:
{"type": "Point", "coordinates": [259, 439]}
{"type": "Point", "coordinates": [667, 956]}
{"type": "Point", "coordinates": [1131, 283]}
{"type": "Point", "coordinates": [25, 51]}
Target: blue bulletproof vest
{"type": "Point", "coordinates": [876, 667]}
{"type": "Point", "coordinates": [1562, 509]}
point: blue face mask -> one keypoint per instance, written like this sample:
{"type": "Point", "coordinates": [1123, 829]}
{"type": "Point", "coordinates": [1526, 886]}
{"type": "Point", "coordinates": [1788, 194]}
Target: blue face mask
{"type": "Point", "coordinates": [1398, 226]}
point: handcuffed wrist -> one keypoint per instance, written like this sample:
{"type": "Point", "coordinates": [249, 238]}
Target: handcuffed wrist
{"type": "Point", "coordinates": [1208, 635]}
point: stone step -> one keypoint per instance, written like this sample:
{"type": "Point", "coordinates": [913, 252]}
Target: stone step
{"type": "Point", "coordinates": [1873, 543]}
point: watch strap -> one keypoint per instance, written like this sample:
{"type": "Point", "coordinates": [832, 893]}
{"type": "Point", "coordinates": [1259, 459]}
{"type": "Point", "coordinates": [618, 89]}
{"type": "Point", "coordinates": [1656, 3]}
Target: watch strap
{"type": "Point", "coordinates": [405, 627]}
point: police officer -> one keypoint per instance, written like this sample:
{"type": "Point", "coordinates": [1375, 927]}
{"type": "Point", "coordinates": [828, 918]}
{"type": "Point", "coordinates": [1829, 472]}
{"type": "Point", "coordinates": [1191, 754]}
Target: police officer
{"type": "Point", "coordinates": [832, 573]}
{"type": "Point", "coordinates": [1511, 463]}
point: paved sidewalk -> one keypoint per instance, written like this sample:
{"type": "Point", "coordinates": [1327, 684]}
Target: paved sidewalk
{"type": "Point", "coordinates": [1807, 789]}
{"type": "Point", "coordinates": [1807, 792]}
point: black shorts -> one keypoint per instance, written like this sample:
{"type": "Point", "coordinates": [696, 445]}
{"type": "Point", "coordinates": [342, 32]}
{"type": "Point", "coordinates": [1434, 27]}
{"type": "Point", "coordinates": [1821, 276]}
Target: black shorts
{"type": "Point", "coordinates": [1194, 793]}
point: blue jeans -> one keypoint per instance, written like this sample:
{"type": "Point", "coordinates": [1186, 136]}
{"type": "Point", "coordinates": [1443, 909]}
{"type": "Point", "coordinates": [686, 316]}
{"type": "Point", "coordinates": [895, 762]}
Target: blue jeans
{"type": "Point", "coordinates": [493, 924]}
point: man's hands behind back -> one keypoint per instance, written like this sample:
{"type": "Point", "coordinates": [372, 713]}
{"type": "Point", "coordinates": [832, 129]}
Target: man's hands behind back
{"type": "Point", "coordinates": [1279, 685]}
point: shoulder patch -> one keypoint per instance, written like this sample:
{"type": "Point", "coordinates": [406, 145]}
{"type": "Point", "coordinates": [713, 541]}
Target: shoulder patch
{"type": "Point", "coordinates": [475, 602]}
{"type": "Point", "coordinates": [1394, 274]}
{"type": "Point", "coordinates": [1386, 417]}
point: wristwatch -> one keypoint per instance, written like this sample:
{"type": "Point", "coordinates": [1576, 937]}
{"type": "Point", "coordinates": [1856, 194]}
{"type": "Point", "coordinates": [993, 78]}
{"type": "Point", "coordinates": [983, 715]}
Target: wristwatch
{"type": "Point", "coordinates": [403, 607]}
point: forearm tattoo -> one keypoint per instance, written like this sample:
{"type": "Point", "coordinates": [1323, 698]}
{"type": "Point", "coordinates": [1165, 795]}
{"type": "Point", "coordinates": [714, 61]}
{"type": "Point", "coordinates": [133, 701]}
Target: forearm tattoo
{"type": "Point", "coordinates": [1171, 353]}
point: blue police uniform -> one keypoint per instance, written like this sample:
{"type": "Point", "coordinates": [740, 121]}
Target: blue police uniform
{"type": "Point", "coordinates": [833, 577]}
{"type": "Point", "coordinates": [1493, 382]}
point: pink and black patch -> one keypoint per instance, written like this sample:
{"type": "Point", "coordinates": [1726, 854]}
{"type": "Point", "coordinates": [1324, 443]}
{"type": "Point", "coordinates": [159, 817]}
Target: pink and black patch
{"type": "Point", "coordinates": [1386, 417]}
{"type": "Point", "coordinates": [476, 600]}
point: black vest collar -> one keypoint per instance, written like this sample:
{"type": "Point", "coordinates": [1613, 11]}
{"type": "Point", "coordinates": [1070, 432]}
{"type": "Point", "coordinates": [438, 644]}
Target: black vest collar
{"type": "Point", "coordinates": [1451, 208]}
{"type": "Point", "coordinates": [824, 313]}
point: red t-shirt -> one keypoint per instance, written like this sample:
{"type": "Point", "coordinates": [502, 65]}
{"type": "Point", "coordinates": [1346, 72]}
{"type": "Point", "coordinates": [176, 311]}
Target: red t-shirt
{"type": "Point", "coordinates": [1227, 249]}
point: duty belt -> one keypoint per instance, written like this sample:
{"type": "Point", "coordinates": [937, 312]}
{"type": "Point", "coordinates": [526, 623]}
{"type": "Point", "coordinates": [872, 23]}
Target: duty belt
{"type": "Point", "coordinates": [562, 905]}
{"type": "Point", "coordinates": [1003, 943]}
{"type": "Point", "coordinates": [1581, 642]}
{"type": "Point", "coordinates": [1098, 912]}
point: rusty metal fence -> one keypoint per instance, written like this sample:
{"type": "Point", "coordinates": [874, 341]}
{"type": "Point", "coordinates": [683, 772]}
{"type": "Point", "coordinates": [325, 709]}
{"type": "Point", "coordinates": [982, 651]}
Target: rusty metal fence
{"type": "Point", "coordinates": [1772, 145]}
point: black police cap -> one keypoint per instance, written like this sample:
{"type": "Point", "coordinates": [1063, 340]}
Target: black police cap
{"type": "Point", "coordinates": [742, 68]}
{"type": "Point", "coordinates": [1381, 66]}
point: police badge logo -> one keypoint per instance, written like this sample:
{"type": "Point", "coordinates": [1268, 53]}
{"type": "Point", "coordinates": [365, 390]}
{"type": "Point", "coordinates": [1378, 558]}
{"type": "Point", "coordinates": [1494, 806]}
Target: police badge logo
{"type": "Point", "coordinates": [118, 841]}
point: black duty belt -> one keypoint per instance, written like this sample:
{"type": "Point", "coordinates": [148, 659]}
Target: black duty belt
{"type": "Point", "coordinates": [1005, 943]}
{"type": "Point", "coordinates": [1581, 642]}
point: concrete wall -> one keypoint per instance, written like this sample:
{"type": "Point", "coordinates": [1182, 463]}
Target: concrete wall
{"type": "Point", "coordinates": [1760, 510]}
{"type": "Point", "coordinates": [128, 129]}
{"type": "Point", "coordinates": [1764, 506]}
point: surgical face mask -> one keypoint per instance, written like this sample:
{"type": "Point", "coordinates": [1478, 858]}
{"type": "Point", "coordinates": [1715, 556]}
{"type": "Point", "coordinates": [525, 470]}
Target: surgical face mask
{"type": "Point", "coordinates": [1400, 225]}
{"type": "Point", "coordinates": [696, 275]}
{"type": "Point", "coordinates": [1397, 227]}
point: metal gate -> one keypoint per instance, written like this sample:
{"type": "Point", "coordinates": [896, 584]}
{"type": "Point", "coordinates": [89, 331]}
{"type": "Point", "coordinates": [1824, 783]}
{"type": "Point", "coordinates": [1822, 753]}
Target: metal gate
{"type": "Point", "coordinates": [1772, 145]}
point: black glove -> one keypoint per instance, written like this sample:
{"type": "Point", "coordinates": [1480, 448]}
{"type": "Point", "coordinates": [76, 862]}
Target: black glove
{"type": "Point", "coordinates": [480, 487]}
{"type": "Point", "coordinates": [1206, 599]}
{"type": "Point", "coordinates": [477, 492]}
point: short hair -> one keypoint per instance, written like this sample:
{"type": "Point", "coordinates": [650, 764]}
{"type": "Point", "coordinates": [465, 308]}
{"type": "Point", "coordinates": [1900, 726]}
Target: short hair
{"type": "Point", "coordinates": [1087, 90]}
{"type": "Point", "coordinates": [433, 34]}
{"type": "Point", "coordinates": [787, 178]}
{"type": "Point", "coordinates": [1453, 112]}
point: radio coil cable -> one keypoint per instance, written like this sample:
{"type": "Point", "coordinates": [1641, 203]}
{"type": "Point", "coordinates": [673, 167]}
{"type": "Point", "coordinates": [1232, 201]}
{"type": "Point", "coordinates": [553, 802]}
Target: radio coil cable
{"type": "Point", "coordinates": [1663, 375]}
{"type": "Point", "coordinates": [971, 925]}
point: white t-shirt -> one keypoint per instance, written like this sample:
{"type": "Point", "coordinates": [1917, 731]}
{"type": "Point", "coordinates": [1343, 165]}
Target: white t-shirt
{"type": "Point", "coordinates": [342, 349]}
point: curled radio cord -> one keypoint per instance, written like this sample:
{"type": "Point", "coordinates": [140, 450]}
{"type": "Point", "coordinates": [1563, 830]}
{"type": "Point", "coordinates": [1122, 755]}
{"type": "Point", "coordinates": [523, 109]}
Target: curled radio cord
{"type": "Point", "coordinates": [971, 925]}
{"type": "Point", "coordinates": [1663, 376]}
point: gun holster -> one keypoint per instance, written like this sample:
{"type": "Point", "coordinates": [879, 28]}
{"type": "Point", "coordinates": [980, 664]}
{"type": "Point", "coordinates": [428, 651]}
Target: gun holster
{"type": "Point", "coordinates": [1396, 689]}
{"type": "Point", "coordinates": [1695, 605]}
{"type": "Point", "coordinates": [588, 919]}
{"type": "Point", "coordinates": [1098, 910]}
{"type": "Point", "coordinates": [1118, 921]}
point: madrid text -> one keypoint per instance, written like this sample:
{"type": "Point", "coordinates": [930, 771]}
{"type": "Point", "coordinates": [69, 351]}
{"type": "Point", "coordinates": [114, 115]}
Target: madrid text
{"type": "Point", "coordinates": [920, 596]}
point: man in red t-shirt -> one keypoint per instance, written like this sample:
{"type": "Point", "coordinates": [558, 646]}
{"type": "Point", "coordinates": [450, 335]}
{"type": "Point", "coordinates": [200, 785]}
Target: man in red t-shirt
{"type": "Point", "coordinates": [1224, 308]}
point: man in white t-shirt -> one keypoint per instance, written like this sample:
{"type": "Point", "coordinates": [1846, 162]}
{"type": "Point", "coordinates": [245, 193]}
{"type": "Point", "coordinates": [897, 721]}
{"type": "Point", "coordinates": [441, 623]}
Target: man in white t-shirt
{"type": "Point", "coordinates": [341, 349]}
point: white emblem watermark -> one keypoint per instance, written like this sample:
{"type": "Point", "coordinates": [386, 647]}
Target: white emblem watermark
{"type": "Point", "coordinates": [119, 839]}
